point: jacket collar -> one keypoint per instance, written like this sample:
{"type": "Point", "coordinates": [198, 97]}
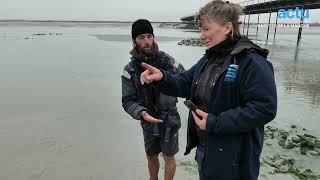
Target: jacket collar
{"type": "Point", "coordinates": [246, 45]}
{"type": "Point", "coordinates": [220, 51]}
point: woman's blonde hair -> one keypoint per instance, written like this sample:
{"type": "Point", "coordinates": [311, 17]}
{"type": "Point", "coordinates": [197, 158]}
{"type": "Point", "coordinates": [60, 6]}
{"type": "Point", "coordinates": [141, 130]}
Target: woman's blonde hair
{"type": "Point", "coordinates": [221, 12]}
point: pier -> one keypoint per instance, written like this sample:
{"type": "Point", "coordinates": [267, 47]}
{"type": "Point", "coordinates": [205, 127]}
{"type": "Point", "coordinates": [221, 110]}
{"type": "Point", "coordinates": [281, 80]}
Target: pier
{"type": "Point", "coordinates": [251, 7]}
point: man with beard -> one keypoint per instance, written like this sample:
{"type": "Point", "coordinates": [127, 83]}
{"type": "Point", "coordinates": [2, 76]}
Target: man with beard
{"type": "Point", "coordinates": [157, 112]}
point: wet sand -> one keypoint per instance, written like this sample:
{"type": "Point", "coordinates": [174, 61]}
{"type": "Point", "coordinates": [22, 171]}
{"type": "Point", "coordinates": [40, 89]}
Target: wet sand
{"type": "Point", "coordinates": [61, 114]}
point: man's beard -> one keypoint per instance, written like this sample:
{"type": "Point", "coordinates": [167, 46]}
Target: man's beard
{"type": "Point", "coordinates": [147, 51]}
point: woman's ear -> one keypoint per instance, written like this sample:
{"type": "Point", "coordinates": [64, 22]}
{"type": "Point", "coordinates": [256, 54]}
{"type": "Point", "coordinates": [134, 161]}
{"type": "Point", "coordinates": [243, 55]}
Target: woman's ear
{"type": "Point", "coordinates": [228, 28]}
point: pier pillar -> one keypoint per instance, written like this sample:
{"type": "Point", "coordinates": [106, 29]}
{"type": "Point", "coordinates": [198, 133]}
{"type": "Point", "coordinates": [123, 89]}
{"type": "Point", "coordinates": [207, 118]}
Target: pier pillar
{"type": "Point", "coordinates": [268, 27]}
{"type": "Point", "coordinates": [257, 27]}
{"type": "Point", "coordinates": [244, 23]}
{"type": "Point", "coordinates": [248, 24]}
{"type": "Point", "coordinates": [275, 28]}
{"type": "Point", "coordinates": [300, 28]}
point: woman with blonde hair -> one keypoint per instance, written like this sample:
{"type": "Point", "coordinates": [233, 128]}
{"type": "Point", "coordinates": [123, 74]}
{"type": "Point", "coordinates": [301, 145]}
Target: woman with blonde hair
{"type": "Point", "coordinates": [234, 90]}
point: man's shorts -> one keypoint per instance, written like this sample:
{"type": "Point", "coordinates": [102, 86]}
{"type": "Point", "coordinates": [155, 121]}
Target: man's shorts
{"type": "Point", "coordinates": [154, 145]}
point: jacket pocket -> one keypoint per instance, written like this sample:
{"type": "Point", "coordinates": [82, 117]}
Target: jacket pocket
{"type": "Point", "coordinates": [171, 119]}
{"type": "Point", "coordinates": [235, 170]}
{"type": "Point", "coordinates": [236, 140]}
{"type": "Point", "coordinates": [220, 160]}
{"type": "Point", "coordinates": [200, 154]}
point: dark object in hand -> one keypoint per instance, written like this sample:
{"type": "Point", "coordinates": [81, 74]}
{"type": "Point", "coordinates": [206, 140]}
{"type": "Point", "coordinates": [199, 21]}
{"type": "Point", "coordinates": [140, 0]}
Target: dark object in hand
{"type": "Point", "coordinates": [190, 105]}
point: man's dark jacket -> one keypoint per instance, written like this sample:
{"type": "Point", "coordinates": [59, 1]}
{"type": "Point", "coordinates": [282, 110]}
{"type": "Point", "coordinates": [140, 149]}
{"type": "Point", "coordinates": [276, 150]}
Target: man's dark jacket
{"type": "Point", "coordinates": [136, 98]}
{"type": "Point", "coordinates": [237, 114]}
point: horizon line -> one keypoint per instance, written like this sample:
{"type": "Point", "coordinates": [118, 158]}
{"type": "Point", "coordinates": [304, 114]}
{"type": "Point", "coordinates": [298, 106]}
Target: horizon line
{"type": "Point", "coordinates": [81, 21]}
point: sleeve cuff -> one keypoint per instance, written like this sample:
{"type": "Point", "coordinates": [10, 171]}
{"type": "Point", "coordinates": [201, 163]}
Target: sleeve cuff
{"type": "Point", "coordinates": [139, 113]}
{"type": "Point", "coordinates": [164, 78]}
{"type": "Point", "coordinates": [211, 124]}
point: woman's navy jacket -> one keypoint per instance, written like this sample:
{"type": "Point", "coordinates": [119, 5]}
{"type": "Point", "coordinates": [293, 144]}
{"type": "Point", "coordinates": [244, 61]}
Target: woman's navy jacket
{"type": "Point", "coordinates": [241, 103]}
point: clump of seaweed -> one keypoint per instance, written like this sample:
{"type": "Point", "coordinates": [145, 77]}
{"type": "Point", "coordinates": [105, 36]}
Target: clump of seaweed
{"type": "Point", "coordinates": [192, 42]}
{"type": "Point", "coordinates": [306, 143]}
{"type": "Point", "coordinates": [284, 165]}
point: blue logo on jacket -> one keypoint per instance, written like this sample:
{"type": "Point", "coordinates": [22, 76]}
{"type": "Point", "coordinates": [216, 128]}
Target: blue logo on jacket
{"type": "Point", "coordinates": [231, 73]}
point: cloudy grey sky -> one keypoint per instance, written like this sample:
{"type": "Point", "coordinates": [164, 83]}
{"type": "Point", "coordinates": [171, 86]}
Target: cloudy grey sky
{"type": "Point", "coordinates": [104, 10]}
{"type": "Point", "coordinates": [155, 10]}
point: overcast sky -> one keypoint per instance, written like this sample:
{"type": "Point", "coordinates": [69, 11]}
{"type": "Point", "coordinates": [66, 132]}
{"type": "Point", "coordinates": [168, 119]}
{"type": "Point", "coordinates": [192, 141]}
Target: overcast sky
{"type": "Point", "coordinates": [155, 10]}
{"type": "Point", "coordinates": [104, 10]}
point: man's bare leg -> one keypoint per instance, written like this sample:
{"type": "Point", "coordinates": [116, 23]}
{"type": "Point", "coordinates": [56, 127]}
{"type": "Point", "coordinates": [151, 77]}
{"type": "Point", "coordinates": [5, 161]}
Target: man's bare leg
{"type": "Point", "coordinates": [170, 167]}
{"type": "Point", "coordinates": [153, 166]}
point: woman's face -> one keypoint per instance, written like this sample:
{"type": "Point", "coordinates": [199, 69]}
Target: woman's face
{"type": "Point", "coordinates": [212, 33]}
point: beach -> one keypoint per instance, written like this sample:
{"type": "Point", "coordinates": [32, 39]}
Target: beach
{"type": "Point", "coordinates": [60, 110]}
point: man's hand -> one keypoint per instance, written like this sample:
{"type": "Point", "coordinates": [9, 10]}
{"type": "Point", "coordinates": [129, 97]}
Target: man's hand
{"type": "Point", "coordinates": [149, 118]}
{"type": "Point", "coordinates": [200, 117]}
{"type": "Point", "coordinates": [150, 74]}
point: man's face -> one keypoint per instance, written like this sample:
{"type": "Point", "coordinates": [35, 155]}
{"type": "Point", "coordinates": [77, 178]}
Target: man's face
{"type": "Point", "coordinates": [144, 43]}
